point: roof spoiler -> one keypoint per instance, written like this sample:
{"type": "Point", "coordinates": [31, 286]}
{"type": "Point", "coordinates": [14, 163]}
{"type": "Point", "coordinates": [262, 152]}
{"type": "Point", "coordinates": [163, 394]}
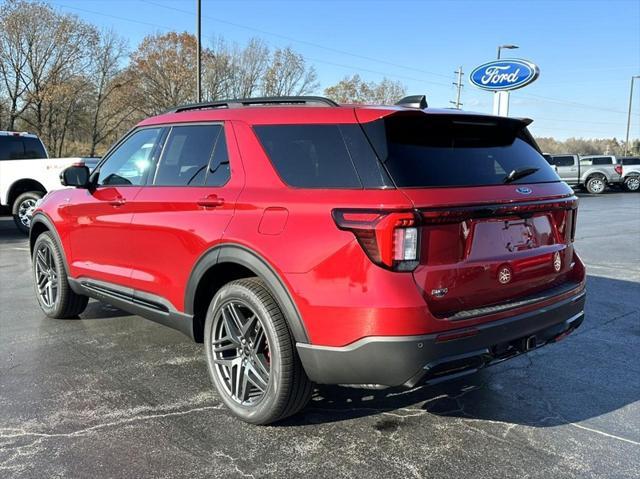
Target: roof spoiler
{"type": "Point", "coordinates": [414, 101]}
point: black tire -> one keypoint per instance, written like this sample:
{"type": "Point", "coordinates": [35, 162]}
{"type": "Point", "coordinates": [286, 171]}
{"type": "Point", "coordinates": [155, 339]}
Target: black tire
{"type": "Point", "coordinates": [632, 183]}
{"type": "Point", "coordinates": [596, 184]}
{"type": "Point", "coordinates": [288, 389]}
{"type": "Point", "coordinates": [22, 203]}
{"type": "Point", "coordinates": [66, 304]}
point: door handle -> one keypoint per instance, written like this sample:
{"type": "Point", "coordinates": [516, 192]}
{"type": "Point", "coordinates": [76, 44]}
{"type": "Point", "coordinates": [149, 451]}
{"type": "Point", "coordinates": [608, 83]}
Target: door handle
{"type": "Point", "coordinates": [211, 201]}
{"type": "Point", "coordinates": [117, 201]}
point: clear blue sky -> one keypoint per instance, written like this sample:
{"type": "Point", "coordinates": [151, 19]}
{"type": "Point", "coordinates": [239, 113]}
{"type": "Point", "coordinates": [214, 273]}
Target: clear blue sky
{"type": "Point", "coordinates": [586, 50]}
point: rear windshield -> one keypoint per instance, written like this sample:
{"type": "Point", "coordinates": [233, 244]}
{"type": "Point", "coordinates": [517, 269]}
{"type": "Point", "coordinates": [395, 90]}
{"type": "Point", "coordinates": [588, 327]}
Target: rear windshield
{"type": "Point", "coordinates": [20, 148]}
{"type": "Point", "coordinates": [421, 151]}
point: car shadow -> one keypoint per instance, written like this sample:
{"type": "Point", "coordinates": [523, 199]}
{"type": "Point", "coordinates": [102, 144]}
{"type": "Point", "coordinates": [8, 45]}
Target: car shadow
{"type": "Point", "coordinates": [558, 384]}
{"type": "Point", "coordinates": [100, 310]}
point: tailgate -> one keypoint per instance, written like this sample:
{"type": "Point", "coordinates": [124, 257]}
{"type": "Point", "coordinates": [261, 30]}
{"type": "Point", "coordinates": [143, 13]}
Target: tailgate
{"type": "Point", "coordinates": [473, 257]}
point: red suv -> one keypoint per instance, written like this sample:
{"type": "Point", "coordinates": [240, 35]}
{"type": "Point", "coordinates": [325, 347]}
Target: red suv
{"type": "Point", "coordinates": [304, 241]}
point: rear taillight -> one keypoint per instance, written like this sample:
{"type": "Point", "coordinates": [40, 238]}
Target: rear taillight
{"type": "Point", "coordinates": [390, 239]}
{"type": "Point", "coordinates": [618, 169]}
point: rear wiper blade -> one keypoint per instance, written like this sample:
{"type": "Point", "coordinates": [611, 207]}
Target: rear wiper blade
{"type": "Point", "coordinates": [519, 173]}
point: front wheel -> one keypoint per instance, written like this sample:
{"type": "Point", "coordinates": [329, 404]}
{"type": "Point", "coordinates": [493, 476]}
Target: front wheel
{"type": "Point", "coordinates": [23, 208]}
{"type": "Point", "coordinates": [55, 296]}
{"type": "Point", "coordinates": [596, 184]}
{"type": "Point", "coordinates": [632, 183]}
{"type": "Point", "coordinates": [251, 354]}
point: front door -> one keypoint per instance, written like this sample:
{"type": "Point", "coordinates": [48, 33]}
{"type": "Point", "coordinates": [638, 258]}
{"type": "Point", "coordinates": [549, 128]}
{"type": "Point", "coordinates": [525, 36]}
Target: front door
{"type": "Point", "coordinates": [100, 218]}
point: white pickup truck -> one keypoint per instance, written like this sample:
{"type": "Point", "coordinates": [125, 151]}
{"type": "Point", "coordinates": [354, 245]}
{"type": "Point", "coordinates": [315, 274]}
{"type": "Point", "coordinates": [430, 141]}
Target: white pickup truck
{"type": "Point", "coordinates": [27, 174]}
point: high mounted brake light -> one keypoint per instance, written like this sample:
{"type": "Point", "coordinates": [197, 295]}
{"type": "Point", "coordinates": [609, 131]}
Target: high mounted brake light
{"type": "Point", "coordinates": [390, 239]}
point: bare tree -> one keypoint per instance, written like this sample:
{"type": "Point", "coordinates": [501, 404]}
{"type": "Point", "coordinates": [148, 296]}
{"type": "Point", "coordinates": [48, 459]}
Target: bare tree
{"type": "Point", "coordinates": [288, 74]}
{"type": "Point", "coordinates": [249, 65]}
{"type": "Point", "coordinates": [163, 71]}
{"type": "Point", "coordinates": [356, 90]}
{"type": "Point", "coordinates": [107, 112]}
{"type": "Point", "coordinates": [13, 59]}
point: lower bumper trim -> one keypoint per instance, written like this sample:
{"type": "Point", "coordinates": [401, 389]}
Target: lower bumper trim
{"type": "Point", "coordinates": [409, 360]}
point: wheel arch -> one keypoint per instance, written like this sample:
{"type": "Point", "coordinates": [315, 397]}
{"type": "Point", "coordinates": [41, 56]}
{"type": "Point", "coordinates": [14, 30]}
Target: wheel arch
{"type": "Point", "coordinates": [228, 262]}
{"type": "Point", "coordinates": [41, 224]}
{"type": "Point", "coordinates": [22, 186]}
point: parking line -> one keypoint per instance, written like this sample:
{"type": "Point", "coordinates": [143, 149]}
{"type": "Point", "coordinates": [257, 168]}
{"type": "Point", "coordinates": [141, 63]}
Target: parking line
{"type": "Point", "coordinates": [605, 434]}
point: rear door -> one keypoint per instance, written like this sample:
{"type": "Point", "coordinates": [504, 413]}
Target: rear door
{"type": "Point", "coordinates": [496, 220]}
{"type": "Point", "coordinates": [184, 207]}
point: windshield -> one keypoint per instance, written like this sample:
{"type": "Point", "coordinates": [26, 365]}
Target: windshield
{"type": "Point", "coordinates": [421, 151]}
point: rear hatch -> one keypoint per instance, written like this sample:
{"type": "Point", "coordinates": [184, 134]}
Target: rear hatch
{"type": "Point", "coordinates": [496, 223]}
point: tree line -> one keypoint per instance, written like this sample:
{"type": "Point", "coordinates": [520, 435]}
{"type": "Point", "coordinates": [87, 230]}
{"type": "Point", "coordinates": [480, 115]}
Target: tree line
{"type": "Point", "coordinates": [80, 88]}
{"type": "Point", "coordinates": [588, 146]}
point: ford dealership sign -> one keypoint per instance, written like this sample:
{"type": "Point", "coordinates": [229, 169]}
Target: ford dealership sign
{"type": "Point", "coordinates": [500, 75]}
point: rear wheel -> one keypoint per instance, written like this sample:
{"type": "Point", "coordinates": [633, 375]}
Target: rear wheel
{"type": "Point", "coordinates": [596, 184]}
{"type": "Point", "coordinates": [55, 296]}
{"type": "Point", "coordinates": [23, 208]}
{"type": "Point", "coordinates": [632, 183]}
{"type": "Point", "coordinates": [251, 354]}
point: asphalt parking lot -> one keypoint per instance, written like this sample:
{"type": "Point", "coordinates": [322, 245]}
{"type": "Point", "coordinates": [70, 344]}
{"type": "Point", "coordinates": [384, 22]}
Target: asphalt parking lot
{"type": "Point", "coordinates": [114, 395]}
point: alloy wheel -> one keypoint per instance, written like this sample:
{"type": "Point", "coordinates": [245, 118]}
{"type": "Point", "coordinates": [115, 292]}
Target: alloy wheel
{"type": "Point", "coordinates": [597, 185]}
{"type": "Point", "coordinates": [241, 353]}
{"type": "Point", "coordinates": [633, 183]}
{"type": "Point", "coordinates": [25, 211]}
{"type": "Point", "coordinates": [46, 276]}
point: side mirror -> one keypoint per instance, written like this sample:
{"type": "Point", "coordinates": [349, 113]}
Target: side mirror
{"type": "Point", "coordinates": [75, 175]}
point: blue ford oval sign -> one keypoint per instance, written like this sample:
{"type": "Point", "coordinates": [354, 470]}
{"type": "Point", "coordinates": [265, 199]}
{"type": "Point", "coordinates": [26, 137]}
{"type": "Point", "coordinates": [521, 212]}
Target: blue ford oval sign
{"type": "Point", "coordinates": [501, 75]}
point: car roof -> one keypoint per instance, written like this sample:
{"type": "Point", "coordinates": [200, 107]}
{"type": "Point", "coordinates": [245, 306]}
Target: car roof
{"type": "Point", "coordinates": [23, 134]}
{"type": "Point", "coordinates": [299, 114]}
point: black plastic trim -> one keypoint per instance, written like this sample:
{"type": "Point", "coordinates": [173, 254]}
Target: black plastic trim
{"type": "Point", "coordinates": [149, 306]}
{"type": "Point", "coordinates": [238, 254]}
{"type": "Point", "coordinates": [409, 360]}
{"type": "Point", "coordinates": [42, 218]}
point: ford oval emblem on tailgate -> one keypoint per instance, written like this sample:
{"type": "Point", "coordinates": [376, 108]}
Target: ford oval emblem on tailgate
{"type": "Point", "coordinates": [523, 190]}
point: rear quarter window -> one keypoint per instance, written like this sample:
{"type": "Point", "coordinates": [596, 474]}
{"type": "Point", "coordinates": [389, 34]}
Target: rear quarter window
{"type": "Point", "coordinates": [309, 156]}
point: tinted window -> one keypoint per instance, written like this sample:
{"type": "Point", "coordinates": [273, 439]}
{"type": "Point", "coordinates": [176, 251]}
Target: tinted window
{"type": "Point", "coordinates": [596, 160]}
{"type": "Point", "coordinates": [309, 156]}
{"type": "Point", "coordinates": [21, 148]}
{"type": "Point", "coordinates": [428, 151]}
{"type": "Point", "coordinates": [562, 160]}
{"type": "Point", "coordinates": [630, 161]}
{"type": "Point", "coordinates": [130, 163]}
{"type": "Point", "coordinates": [219, 172]}
{"type": "Point", "coordinates": [186, 155]}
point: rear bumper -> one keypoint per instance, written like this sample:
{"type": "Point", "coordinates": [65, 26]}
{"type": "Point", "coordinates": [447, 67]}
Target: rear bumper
{"type": "Point", "coordinates": [410, 360]}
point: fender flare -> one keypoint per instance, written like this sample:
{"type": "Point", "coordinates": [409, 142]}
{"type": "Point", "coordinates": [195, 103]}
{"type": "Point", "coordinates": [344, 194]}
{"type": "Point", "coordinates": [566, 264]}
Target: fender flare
{"type": "Point", "coordinates": [238, 254]}
{"type": "Point", "coordinates": [40, 217]}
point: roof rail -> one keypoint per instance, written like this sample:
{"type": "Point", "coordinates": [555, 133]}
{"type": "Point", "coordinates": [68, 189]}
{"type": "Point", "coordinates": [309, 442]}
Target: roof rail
{"type": "Point", "coordinates": [266, 100]}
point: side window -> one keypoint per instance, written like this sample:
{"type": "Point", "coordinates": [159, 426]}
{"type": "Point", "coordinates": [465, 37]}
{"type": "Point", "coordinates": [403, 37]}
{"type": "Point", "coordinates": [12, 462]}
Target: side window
{"type": "Point", "coordinates": [562, 160]}
{"type": "Point", "coordinates": [603, 160]}
{"type": "Point", "coordinates": [130, 163]}
{"type": "Point", "coordinates": [11, 148]}
{"type": "Point", "coordinates": [219, 172]}
{"type": "Point", "coordinates": [309, 156]}
{"type": "Point", "coordinates": [186, 155]}
{"type": "Point", "coordinates": [586, 161]}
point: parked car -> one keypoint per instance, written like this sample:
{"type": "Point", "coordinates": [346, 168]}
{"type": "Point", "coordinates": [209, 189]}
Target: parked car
{"type": "Point", "coordinates": [304, 241]}
{"type": "Point", "coordinates": [631, 173]}
{"type": "Point", "coordinates": [26, 174]}
{"type": "Point", "coordinates": [594, 173]}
